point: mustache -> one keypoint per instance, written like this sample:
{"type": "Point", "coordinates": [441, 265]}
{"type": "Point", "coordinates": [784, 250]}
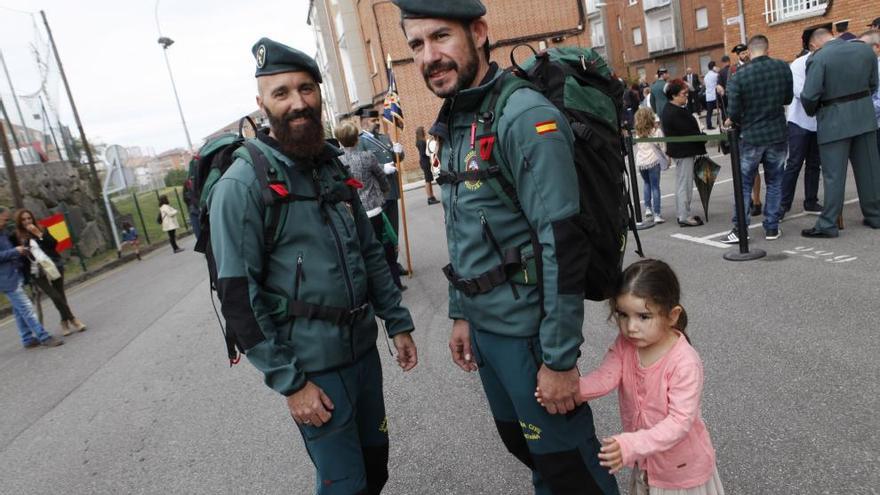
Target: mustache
{"type": "Point", "coordinates": [296, 114]}
{"type": "Point", "coordinates": [438, 66]}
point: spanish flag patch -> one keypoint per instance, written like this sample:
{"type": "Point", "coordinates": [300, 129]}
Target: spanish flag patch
{"type": "Point", "coordinates": [545, 127]}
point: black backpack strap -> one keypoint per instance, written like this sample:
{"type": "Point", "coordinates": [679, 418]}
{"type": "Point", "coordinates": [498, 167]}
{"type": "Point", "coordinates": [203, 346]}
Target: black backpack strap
{"type": "Point", "coordinates": [489, 280]}
{"type": "Point", "coordinates": [337, 316]}
{"type": "Point", "coordinates": [261, 169]}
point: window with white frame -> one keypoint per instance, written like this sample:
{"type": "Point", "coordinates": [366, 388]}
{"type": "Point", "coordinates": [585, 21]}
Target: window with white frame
{"type": "Point", "coordinates": [784, 10]}
{"type": "Point", "coordinates": [633, 2]}
{"type": "Point", "coordinates": [642, 74]}
{"type": "Point", "coordinates": [637, 36]}
{"type": "Point", "coordinates": [704, 63]}
{"type": "Point", "coordinates": [597, 33]}
{"type": "Point", "coordinates": [702, 18]}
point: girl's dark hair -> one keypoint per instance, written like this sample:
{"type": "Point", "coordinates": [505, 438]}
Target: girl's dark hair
{"type": "Point", "coordinates": [163, 200]}
{"type": "Point", "coordinates": [675, 87]}
{"type": "Point", "coordinates": [654, 281]}
{"type": "Point", "coordinates": [126, 225]}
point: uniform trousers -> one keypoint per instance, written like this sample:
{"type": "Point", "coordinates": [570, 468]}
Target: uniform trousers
{"type": "Point", "coordinates": [561, 450]}
{"type": "Point", "coordinates": [350, 453]}
{"type": "Point", "coordinates": [864, 155]}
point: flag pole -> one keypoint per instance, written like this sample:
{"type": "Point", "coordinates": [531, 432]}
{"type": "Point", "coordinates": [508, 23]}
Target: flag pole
{"type": "Point", "coordinates": [409, 266]}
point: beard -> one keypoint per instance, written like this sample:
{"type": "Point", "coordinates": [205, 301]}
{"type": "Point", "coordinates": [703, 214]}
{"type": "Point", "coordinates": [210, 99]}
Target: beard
{"type": "Point", "coordinates": [466, 73]}
{"type": "Point", "coordinates": [303, 141]}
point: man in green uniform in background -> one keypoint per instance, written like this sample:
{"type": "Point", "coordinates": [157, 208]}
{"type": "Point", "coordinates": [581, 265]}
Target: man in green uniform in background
{"type": "Point", "coordinates": [305, 314]}
{"type": "Point", "coordinates": [841, 77]}
{"type": "Point", "coordinates": [521, 328]}
{"type": "Point", "coordinates": [371, 139]}
{"type": "Point", "coordinates": [658, 92]}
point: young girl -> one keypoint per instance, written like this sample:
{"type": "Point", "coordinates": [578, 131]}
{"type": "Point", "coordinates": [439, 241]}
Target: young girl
{"type": "Point", "coordinates": [659, 378]}
{"type": "Point", "coordinates": [649, 160]}
{"type": "Point", "coordinates": [130, 238]}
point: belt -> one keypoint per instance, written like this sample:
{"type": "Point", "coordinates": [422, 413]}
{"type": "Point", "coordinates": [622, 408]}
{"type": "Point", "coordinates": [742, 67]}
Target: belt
{"type": "Point", "coordinates": [844, 99]}
{"type": "Point", "coordinates": [337, 316]}
{"type": "Point", "coordinates": [487, 281]}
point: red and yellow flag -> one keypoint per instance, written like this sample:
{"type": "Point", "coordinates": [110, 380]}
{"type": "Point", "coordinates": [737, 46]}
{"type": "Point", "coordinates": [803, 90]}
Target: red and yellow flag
{"type": "Point", "coordinates": [545, 127]}
{"type": "Point", "coordinates": [58, 228]}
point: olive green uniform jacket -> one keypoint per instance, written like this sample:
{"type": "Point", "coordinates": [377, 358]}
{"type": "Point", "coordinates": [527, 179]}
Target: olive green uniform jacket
{"type": "Point", "coordinates": [326, 254]}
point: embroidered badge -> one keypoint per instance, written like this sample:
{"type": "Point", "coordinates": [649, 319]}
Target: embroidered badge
{"type": "Point", "coordinates": [471, 162]}
{"type": "Point", "coordinates": [545, 127]}
{"type": "Point", "coordinates": [261, 56]}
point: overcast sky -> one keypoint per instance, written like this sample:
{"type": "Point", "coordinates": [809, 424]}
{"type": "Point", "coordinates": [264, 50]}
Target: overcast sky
{"type": "Point", "coordinates": [117, 72]}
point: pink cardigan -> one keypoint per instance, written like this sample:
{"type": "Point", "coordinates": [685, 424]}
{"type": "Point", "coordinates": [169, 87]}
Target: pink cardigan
{"type": "Point", "coordinates": [660, 412]}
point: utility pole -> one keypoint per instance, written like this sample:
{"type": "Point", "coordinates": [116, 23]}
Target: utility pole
{"type": "Point", "coordinates": [10, 167]}
{"type": "Point", "coordinates": [96, 184]}
{"type": "Point", "coordinates": [27, 131]}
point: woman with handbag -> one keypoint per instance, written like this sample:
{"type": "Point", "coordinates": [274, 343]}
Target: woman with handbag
{"type": "Point", "coordinates": [168, 218]}
{"type": "Point", "coordinates": [677, 121]}
{"type": "Point", "coordinates": [44, 267]}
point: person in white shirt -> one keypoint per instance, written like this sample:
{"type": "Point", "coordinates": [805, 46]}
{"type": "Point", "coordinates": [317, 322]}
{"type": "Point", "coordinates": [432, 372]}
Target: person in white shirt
{"type": "Point", "coordinates": [710, 81]}
{"type": "Point", "coordinates": [802, 146]}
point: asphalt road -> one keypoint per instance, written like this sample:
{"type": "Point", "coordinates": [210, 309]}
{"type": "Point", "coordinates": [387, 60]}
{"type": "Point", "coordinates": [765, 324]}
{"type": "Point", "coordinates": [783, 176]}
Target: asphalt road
{"type": "Point", "coordinates": [144, 401]}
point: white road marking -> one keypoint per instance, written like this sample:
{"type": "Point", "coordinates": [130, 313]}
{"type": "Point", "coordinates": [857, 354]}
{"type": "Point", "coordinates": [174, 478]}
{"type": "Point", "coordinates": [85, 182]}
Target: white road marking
{"type": "Point", "coordinates": [787, 217]}
{"type": "Point", "coordinates": [699, 240]}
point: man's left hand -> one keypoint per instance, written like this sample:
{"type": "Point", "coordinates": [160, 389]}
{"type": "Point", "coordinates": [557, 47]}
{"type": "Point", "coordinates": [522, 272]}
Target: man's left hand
{"type": "Point", "coordinates": [407, 354]}
{"type": "Point", "coordinates": [559, 389]}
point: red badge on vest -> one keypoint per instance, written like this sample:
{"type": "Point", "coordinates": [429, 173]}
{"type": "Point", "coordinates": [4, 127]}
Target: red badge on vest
{"type": "Point", "coordinates": [352, 182]}
{"type": "Point", "coordinates": [279, 189]}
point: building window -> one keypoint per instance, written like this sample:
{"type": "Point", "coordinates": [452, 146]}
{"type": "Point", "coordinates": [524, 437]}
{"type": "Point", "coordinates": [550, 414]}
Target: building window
{"type": "Point", "coordinates": [597, 33]}
{"type": "Point", "coordinates": [785, 10]}
{"type": "Point", "coordinates": [643, 74]}
{"type": "Point", "coordinates": [371, 58]}
{"type": "Point", "coordinates": [702, 18]}
{"type": "Point", "coordinates": [704, 63]}
{"type": "Point", "coordinates": [633, 2]}
{"type": "Point", "coordinates": [619, 24]}
{"type": "Point", "coordinates": [637, 36]}
{"type": "Point", "coordinates": [672, 69]}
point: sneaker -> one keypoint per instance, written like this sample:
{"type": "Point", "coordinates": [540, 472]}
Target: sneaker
{"type": "Point", "coordinates": [813, 209]}
{"type": "Point", "coordinates": [772, 234]}
{"type": "Point", "coordinates": [433, 201]}
{"type": "Point", "coordinates": [648, 213]}
{"type": "Point", "coordinates": [33, 344]}
{"type": "Point", "coordinates": [732, 237]}
{"type": "Point", "coordinates": [52, 342]}
{"type": "Point", "coordinates": [178, 250]}
{"type": "Point", "coordinates": [658, 219]}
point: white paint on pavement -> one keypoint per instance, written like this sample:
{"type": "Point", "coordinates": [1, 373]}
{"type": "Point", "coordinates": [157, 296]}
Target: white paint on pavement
{"type": "Point", "coordinates": [702, 241]}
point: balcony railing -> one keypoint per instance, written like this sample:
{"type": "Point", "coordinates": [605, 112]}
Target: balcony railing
{"type": "Point", "coordinates": [653, 4]}
{"type": "Point", "coordinates": [660, 43]}
{"type": "Point", "coordinates": [783, 10]}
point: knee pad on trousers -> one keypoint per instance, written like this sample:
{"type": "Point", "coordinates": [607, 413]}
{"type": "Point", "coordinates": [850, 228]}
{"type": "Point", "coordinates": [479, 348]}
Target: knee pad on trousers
{"type": "Point", "coordinates": [376, 467]}
{"type": "Point", "coordinates": [566, 473]}
{"type": "Point", "coordinates": [512, 435]}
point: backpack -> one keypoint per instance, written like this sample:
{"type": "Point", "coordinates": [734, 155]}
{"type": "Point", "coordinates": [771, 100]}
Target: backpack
{"type": "Point", "coordinates": [212, 161]}
{"type": "Point", "coordinates": [579, 83]}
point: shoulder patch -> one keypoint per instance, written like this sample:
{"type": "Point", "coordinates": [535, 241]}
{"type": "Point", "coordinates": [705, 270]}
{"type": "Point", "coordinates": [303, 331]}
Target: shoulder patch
{"type": "Point", "coordinates": [545, 127]}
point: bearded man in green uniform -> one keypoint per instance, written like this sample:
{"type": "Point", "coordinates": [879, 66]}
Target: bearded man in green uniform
{"type": "Point", "coordinates": [520, 328]}
{"type": "Point", "coordinates": [305, 314]}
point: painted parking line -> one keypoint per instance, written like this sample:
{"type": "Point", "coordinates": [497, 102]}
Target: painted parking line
{"type": "Point", "coordinates": [787, 217]}
{"type": "Point", "coordinates": [702, 241]}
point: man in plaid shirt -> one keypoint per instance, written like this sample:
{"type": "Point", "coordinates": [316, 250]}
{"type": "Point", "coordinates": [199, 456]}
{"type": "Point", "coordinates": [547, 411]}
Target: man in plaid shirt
{"type": "Point", "coordinates": [757, 96]}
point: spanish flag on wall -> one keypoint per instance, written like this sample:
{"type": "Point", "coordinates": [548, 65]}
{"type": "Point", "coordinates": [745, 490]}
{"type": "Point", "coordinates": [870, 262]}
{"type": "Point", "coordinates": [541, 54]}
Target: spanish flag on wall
{"type": "Point", "coordinates": [58, 228]}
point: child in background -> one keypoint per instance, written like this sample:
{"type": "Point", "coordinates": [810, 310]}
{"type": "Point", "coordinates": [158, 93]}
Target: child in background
{"type": "Point", "coordinates": [130, 238]}
{"type": "Point", "coordinates": [659, 378]}
{"type": "Point", "coordinates": [650, 159]}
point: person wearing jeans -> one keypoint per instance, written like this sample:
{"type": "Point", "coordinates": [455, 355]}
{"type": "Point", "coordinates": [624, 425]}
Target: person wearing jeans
{"type": "Point", "coordinates": [30, 330]}
{"type": "Point", "coordinates": [756, 103]}
{"type": "Point", "coordinates": [802, 145]}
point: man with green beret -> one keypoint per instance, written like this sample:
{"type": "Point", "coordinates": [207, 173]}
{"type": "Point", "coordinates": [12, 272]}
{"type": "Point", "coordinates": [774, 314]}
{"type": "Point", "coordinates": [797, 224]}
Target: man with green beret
{"type": "Point", "coordinates": [515, 274]}
{"type": "Point", "coordinates": [305, 312]}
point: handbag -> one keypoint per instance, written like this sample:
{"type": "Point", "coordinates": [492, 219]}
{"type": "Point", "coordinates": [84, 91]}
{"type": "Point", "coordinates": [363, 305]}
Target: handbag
{"type": "Point", "coordinates": [44, 263]}
{"type": "Point", "coordinates": [661, 157]}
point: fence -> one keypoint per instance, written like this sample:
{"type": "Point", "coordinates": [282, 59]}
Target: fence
{"type": "Point", "coordinates": [141, 208]}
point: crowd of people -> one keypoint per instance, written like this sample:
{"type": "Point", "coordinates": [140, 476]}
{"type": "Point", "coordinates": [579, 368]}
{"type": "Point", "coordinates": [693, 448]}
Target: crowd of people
{"type": "Point", "coordinates": [818, 113]}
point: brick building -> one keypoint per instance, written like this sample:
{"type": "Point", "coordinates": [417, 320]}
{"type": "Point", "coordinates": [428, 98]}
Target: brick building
{"type": "Point", "coordinates": [355, 37]}
{"type": "Point", "coordinates": [787, 22]}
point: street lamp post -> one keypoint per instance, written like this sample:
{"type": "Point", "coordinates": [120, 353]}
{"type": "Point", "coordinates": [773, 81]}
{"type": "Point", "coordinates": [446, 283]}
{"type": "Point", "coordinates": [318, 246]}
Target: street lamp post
{"type": "Point", "coordinates": [166, 42]}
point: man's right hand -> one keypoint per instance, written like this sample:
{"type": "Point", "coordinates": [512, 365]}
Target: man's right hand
{"type": "Point", "coordinates": [310, 406]}
{"type": "Point", "coordinates": [460, 346]}
{"type": "Point", "coordinates": [21, 250]}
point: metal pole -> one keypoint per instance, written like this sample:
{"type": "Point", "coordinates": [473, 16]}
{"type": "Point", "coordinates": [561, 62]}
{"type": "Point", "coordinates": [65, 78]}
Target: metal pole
{"type": "Point", "coordinates": [51, 131]}
{"type": "Point", "coordinates": [10, 168]}
{"type": "Point", "coordinates": [409, 266]}
{"type": "Point", "coordinates": [171, 76]}
{"type": "Point", "coordinates": [12, 131]}
{"type": "Point", "coordinates": [137, 206]}
{"type": "Point", "coordinates": [96, 184]}
{"type": "Point", "coordinates": [82, 261]}
{"type": "Point", "coordinates": [742, 229]}
{"type": "Point", "coordinates": [180, 205]}
{"type": "Point", "coordinates": [27, 131]}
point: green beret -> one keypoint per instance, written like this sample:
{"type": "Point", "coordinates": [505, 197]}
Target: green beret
{"type": "Point", "coordinates": [274, 58]}
{"type": "Point", "coordinates": [448, 9]}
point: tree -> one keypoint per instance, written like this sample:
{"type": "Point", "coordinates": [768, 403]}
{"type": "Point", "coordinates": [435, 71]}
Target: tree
{"type": "Point", "coordinates": [175, 177]}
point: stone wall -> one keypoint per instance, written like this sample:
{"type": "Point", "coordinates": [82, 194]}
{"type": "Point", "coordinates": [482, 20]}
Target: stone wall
{"type": "Point", "coordinates": [49, 188]}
